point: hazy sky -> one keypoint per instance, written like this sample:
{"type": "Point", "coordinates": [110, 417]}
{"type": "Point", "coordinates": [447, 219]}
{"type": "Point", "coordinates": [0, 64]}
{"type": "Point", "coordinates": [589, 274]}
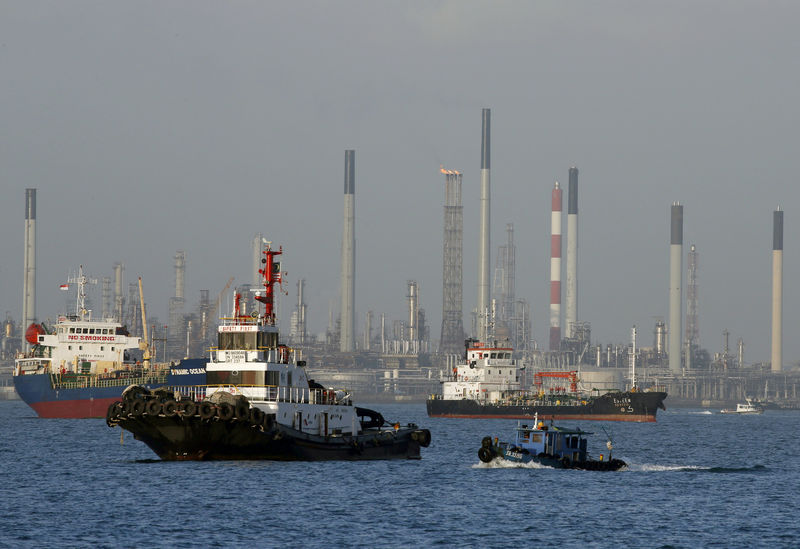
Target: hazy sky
{"type": "Point", "coordinates": [151, 127]}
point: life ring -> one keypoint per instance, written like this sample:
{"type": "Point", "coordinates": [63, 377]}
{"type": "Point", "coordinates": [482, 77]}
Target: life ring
{"type": "Point", "coordinates": [153, 408]}
{"type": "Point", "coordinates": [225, 411]}
{"type": "Point", "coordinates": [170, 408]}
{"type": "Point", "coordinates": [485, 454]}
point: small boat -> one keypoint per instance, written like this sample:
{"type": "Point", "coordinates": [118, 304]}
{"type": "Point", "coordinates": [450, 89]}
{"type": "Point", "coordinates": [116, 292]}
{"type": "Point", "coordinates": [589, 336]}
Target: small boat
{"type": "Point", "coordinates": [550, 446]}
{"type": "Point", "coordinates": [749, 407]}
{"type": "Point", "coordinates": [258, 402]}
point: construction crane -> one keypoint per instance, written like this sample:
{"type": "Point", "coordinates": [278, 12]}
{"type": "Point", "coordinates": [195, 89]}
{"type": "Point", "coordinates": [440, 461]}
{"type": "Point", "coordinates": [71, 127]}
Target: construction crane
{"type": "Point", "coordinates": [144, 345]}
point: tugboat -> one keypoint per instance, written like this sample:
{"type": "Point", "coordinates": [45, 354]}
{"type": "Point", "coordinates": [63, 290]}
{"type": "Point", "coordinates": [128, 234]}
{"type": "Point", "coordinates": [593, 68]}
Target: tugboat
{"type": "Point", "coordinates": [259, 403]}
{"type": "Point", "coordinates": [487, 385]}
{"type": "Point", "coordinates": [749, 408]}
{"type": "Point", "coordinates": [549, 446]}
{"type": "Point", "coordinates": [79, 366]}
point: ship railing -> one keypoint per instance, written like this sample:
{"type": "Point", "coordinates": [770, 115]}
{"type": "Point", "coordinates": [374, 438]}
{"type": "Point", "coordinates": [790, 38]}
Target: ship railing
{"type": "Point", "coordinates": [268, 393]}
{"type": "Point", "coordinates": [86, 381]}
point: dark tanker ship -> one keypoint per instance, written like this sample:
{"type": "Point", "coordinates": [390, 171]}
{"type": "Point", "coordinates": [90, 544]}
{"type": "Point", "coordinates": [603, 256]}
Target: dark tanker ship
{"type": "Point", "coordinates": [487, 385]}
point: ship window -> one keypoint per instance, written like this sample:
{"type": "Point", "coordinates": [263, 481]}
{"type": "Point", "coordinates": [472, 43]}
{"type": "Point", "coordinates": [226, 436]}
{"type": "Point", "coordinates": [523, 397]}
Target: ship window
{"type": "Point", "coordinates": [72, 330]}
{"type": "Point", "coordinates": [80, 347]}
{"type": "Point", "coordinates": [537, 438]}
{"type": "Point", "coordinates": [112, 348]}
{"type": "Point", "coordinates": [91, 330]}
{"type": "Point", "coordinates": [102, 348]}
{"type": "Point", "coordinates": [494, 355]}
{"type": "Point", "coordinates": [69, 347]}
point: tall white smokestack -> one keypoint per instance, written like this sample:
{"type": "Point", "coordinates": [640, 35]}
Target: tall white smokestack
{"type": "Point", "coordinates": [555, 270]}
{"type": "Point", "coordinates": [29, 278]}
{"type": "Point", "coordinates": [777, 290]}
{"type": "Point", "coordinates": [571, 297]}
{"type": "Point", "coordinates": [675, 280]}
{"type": "Point", "coordinates": [119, 300]}
{"type": "Point", "coordinates": [484, 237]}
{"type": "Point", "coordinates": [347, 341]}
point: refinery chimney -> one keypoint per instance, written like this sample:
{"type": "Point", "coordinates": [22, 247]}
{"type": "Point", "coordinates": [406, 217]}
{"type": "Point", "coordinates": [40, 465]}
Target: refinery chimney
{"type": "Point", "coordinates": [571, 314]}
{"type": "Point", "coordinates": [555, 270]}
{"type": "Point", "coordinates": [675, 279]}
{"type": "Point", "coordinates": [119, 300]}
{"type": "Point", "coordinates": [777, 290]}
{"type": "Point", "coordinates": [484, 237]}
{"type": "Point", "coordinates": [29, 278]}
{"type": "Point", "coordinates": [347, 318]}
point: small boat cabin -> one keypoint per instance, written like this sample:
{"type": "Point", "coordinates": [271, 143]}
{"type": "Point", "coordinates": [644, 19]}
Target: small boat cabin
{"type": "Point", "coordinates": [553, 441]}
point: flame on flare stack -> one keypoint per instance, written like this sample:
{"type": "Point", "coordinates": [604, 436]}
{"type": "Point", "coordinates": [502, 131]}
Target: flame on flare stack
{"type": "Point", "coordinates": [448, 172]}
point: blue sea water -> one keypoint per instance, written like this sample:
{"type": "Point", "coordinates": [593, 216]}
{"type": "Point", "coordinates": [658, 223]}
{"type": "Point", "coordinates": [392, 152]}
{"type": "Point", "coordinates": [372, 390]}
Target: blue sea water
{"type": "Point", "coordinates": [695, 479]}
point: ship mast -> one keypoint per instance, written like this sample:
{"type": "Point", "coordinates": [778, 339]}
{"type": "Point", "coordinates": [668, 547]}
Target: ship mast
{"type": "Point", "coordinates": [271, 274]}
{"type": "Point", "coordinates": [80, 305]}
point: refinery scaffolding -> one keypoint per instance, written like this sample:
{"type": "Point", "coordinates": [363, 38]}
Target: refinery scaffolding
{"type": "Point", "coordinates": [503, 289]}
{"type": "Point", "coordinates": [452, 337]}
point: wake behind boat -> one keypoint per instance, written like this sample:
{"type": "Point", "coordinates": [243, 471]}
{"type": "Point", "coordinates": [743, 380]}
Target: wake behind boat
{"type": "Point", "coordinates": [259, 403]}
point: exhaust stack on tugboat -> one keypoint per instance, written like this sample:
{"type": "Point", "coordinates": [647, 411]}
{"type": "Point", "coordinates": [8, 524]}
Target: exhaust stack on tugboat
{"type": "Point", "coordinates": [259, 403]}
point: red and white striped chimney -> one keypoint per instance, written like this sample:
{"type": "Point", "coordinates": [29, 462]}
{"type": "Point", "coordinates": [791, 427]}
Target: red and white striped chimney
{"type": "Point", "coordinates": [555, 271]}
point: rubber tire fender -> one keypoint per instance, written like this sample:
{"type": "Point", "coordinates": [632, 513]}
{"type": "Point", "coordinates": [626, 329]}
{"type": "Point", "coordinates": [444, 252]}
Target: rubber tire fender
{"type": "Point", "coordinates": [153, 407]}
{"type": "Point", "coordinates": [424, 437]}
{"type": "Point", "coordinates": [206, 410]}
{"type": "Point", "coordinates": [225, 411]}
{"type": "Point", "coordinates": [113, 412]}
{"type": "Point", "coordinates": [137, 408]}
{"type": "Point", "coordinates": [187, 408]}
{"type": "Point", "coordinates": [486, 442]}
{"type": "Point", "coordinates": [485, 454]}
{"type": "Point", "coordinates": [256, 416]}
{"type": "Point", "coordinates": [242, 412]}
{"type": "Point", "coordinates": [170, 408]}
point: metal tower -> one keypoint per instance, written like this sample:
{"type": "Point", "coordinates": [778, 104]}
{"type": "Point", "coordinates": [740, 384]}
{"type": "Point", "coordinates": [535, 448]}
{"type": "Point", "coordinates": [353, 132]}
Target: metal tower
{"type": "Point", "coordinates": [452, 338]}
{"type": "Point", "coordinates": [503, 285]}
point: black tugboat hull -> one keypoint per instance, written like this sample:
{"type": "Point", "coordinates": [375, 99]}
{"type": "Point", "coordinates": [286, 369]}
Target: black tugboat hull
{"type": "Point", "coordinates": [630, 406]}
{"type": "Point", "coordinates": [178, 438]}
{"type": "Point", "coordinates": [556, 463]}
